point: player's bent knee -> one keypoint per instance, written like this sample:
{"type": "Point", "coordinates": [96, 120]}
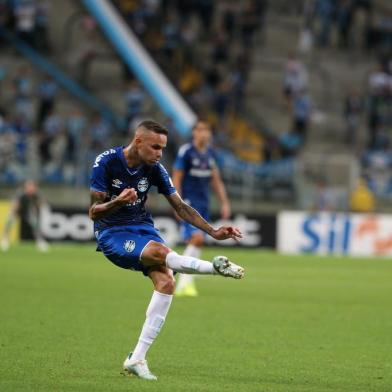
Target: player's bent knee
{"type": "Point", "coordinates": [155, 254]}
{"type": "Point", "coordinates": [166, 284]}
{"type": "Point", "coordinates": [162, 279]}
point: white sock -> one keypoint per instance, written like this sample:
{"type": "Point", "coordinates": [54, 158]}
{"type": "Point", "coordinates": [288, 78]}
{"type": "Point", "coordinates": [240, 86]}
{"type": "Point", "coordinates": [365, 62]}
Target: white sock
{"type": "Point", "coordinates": [186, 279]}
{"type": "Point", "coordinates": [188, 264]}
{"type": "Point", "coordinates": [155, 317]}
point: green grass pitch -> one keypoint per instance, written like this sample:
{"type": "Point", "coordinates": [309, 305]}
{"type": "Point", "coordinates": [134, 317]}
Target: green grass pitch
{"type": "Point", "coordinates": [69, 317]}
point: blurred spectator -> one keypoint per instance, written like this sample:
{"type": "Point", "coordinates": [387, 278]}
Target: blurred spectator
{"type": "Point", "coordinates": [189, 38]}
{"type": "Point", "coordinates": [377, 170]}
{"type": "Point", "coordinates": [23, 87]}
{"type": "Point", "coordinates": [27, 206]}
{"type": "Point", "coordinates": [171, 36]}
{"type": "Point", "coordinates": [190, 81]}
{"type": "Point", "coordinates": [302, 110]}
{"type": "Point", "coordinates": [323, 198]}
{"type": "Point", "coordinates": [220, 49]}
{"type": "Point", "coordinates": [295, 78]}
{"type": "Point", "coordinates": [306, 37]}
{"type": "Point", "coordinates": [238, 81]}
{"type": "Point", "coordinates": [353, 107]}
{"type": "Point", "coordinates": [379, 80]}
{"type": "Point", "coordinates": [185, 10]}
{"type": "Point", "coordinates": [134, 101]}
{"type": "Point", "coordinates": [345, 17]}
{"type": "Point", "coordinates": [379, 31]}
{"type": "Point", "coordinates": [76, 126]}
{"type": "Point", "coordinates": [271, 146]}
{"type": "Point", "coordinates": [290, 144]}
{"type": "Point", "coordinates": [249, 22]}
{"type": "Point", "coordinates": [228, 23]}
{"type": "Point", "coordinates": [361, 198]}
{"type": "Point", "coordinates": [100, 132]}
{"type": "Point", "coordinates": [25, 15]}
{"type": "Point", "coordinates": [325, 10]}
{"type": "Point", "coordinates": [23, 131]}
{"type": "Point", "coordinates": [205, 10]}
{"type": "Point", "coordinates": [52, 128]}
{"type": "Point", "coordinates": [8, 146]}
{"type": "Point", "coordinates": [380, 103]}
{"type": "Point", "coordinates": [88, 51]}
{"type": "Point", "coordinates": [47, 93]}
{"type": "Point", "coordinates": [222, 98]}
{"type": "Point", "coordinates": [5, 18]}
{"type": "Point", "coordinates": [42, 30]}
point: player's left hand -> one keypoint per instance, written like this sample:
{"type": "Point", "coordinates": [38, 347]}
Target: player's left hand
{"type": "Point", "coordinates": [226, 232]}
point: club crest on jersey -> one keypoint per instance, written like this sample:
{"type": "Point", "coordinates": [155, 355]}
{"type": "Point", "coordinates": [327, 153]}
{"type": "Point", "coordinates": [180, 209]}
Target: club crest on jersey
{"type": "Point", "coordinates": [142, 185]}
{"type": "Point", "coordinates": [116, 183]}
{"type": "Point", "coordinates": [129, 245]}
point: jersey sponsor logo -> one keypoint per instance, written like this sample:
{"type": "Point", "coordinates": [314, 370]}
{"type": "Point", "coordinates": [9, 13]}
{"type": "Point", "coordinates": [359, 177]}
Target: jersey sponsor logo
{"type": "Point", "coordinates": [142, 185]}
{"type": "Point", "coordinates": [100, 156]}
{"type": "Point", "coordinates": [129, 245]}
{"type": "Point", "coordinates": [116, 183]}
{"type": "Point", "coordinates": [200, 172]}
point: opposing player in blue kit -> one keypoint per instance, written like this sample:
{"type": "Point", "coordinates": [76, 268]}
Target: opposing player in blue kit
{"type": "Point", "coordinates": [195, 172]}
{"type": "Point", "coordinates": [125, 233]}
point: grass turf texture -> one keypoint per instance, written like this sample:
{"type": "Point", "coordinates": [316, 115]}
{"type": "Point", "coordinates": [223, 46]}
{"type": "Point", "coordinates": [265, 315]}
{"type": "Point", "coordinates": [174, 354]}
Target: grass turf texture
{"type": "Point", "coordinates": [69, 317]}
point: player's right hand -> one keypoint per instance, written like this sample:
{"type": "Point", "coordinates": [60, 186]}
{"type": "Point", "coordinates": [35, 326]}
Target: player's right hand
{"type": "Point", "coordinates": [226, 232]}
{"type": "Point", "coordinates": [127, 196]}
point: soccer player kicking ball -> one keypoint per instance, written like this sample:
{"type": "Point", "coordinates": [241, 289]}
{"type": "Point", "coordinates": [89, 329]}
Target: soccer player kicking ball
{"type": "Point", "coordinates": [125, 232]}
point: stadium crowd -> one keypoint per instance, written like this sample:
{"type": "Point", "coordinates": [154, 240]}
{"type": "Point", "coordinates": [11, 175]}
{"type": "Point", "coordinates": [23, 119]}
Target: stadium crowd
{"type": "Point", "coordinates": [206, 48]}
{"type": "Point", "coordinates": [29, 20]}
{"type": "Point", "coordinates": [207, 61]}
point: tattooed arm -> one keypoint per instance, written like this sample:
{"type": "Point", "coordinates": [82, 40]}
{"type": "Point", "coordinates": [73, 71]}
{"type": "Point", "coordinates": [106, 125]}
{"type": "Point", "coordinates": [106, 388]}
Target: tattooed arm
{"type": "Point", "coordinates": [99, 208]}
{"type": "Point", "coordinates": [190, 215]}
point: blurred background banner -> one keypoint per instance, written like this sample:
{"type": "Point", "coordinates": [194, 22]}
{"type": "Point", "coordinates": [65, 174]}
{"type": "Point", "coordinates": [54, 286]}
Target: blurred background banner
{"type": "Point", "coordinates": [335, 234]}
{"type": "Point", "coordinates": [73, 224]}
{"type": "Point", "coordinates": [4, 213]}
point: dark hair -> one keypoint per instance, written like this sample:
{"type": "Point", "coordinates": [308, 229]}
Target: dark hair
{"type": "Point", "coordinates": [154, 127]}
{"type": "Point", "coordinates": [201, 120]}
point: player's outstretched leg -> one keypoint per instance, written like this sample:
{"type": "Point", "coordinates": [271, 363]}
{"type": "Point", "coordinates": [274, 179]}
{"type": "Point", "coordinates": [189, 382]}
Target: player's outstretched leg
{"type": "Point", "coordinates": [158, 254]}
{"type": "Point", "coordinates": [223, 266]}
{"type": "Point", "coordinates": [190, 265]}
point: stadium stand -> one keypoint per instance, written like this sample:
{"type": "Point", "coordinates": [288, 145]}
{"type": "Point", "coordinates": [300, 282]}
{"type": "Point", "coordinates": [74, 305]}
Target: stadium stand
{"type": "Point", "coordinates": [277, 81]}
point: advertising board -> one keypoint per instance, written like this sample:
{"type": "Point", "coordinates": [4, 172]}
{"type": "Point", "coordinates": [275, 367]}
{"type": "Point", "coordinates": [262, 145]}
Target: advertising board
{"type": "Point", "coordinates": [335, 233]}
{"type": "Point", "coordinates": [64, 224]}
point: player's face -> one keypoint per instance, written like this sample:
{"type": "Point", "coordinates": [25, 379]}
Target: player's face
{"type": "Point", "coordinates": [150, 147]}
{"type": "Point", "coordinates": [30, 187]}
{"type": "Point", "coordinates": [201, 133]}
